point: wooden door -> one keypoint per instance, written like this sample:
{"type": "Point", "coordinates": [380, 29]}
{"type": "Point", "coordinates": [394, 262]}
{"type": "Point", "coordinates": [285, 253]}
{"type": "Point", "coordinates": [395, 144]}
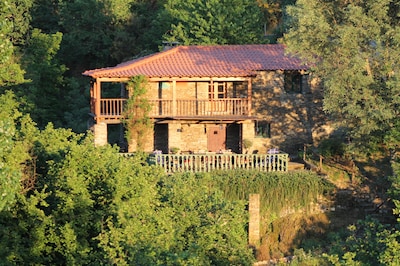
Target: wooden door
{"type": "Point", "coordinates": [216, 138]}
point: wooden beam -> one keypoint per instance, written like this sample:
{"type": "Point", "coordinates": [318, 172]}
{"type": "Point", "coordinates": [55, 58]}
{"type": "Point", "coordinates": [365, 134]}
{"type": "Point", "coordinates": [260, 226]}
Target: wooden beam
{"type": "Point", "coordinates": [97, 97]}
{"type": "Point", "coordinates": [117, 80]}
{"type": "Point", "coordinates": [174, 104]}
{"type": "Point", "coordinates": [156, 79]}
{"type": "Point", "coordinates": [198, 78]}
{"type": "Point", "coordinates": [211, 97]}
{"type": "Point", "coordinates": [92, 97]}
{"type": "Point", "coordinates": [249, 96]}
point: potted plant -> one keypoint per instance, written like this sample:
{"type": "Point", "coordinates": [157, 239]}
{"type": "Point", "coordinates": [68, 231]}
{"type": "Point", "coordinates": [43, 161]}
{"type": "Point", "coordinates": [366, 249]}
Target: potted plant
{"type": "Point", "coordinates": [174, 150]}
{"type": "Point", "coordinates": [246, 143]}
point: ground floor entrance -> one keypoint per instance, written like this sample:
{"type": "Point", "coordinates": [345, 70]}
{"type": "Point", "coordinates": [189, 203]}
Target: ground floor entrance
{"type": "Point", "coordinates": [183, 136]}
{"type": "Point", "coordinates": [216, 138]}
{"type": "Point", "coordinates": [197, 137]}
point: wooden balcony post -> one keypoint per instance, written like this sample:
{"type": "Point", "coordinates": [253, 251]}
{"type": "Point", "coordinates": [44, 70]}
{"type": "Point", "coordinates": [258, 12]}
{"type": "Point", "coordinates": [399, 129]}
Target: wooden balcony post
{"type": "Point", "coordinates": [92, 97]}
{"type": "Point", "coordinates": [249, 96]}
{"type": "Point", "coordinates": [211, 95]}
{"type": "Point", "coordinates": [174, 103]}
{"type": "Point", "coordinates": [97, 98]}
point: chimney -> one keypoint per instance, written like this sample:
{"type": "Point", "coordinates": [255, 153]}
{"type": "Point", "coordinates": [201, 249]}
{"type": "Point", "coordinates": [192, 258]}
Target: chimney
{"type": "Point", "coordinates": [168, 45]}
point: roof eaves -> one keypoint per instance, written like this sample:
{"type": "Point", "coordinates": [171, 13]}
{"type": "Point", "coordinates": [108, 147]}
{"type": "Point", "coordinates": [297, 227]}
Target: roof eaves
{"type": "Point", "coordinates": [126, 65]}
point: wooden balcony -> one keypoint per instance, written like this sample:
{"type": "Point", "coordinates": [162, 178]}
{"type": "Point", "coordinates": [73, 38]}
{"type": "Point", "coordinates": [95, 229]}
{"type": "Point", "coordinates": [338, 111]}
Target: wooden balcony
{"type": "Point", "coordinates": [112, 109]}
{"type": "Point", "coordinates": [209, 162]}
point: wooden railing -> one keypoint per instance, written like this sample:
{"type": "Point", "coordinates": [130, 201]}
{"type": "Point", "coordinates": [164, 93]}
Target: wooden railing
{"type": "Point", "coordinates": [113, 108]}
{"type": "Point", "coordinates": [227, 106]}
{"type": "Point", "coordinates": [208, 162]}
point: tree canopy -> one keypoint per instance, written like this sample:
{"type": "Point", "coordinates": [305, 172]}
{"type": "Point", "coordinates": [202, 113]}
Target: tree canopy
{"type": "Point", "coordinates": [354, 46]}
{"type": "Point", "coordinates": [65, 201]}
{"type": "Point", "coordinates": [214, 22]}
{"type": "Point", "coordinates": [14, 22]}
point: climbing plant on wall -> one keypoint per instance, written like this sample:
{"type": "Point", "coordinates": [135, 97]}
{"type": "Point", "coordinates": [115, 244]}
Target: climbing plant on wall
{"type": "Point", "coordinates": [136, 112]}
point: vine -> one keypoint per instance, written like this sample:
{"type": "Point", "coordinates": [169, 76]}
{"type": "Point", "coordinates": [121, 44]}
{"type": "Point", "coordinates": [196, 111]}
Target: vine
{"type": "Point", "coordinates": [136, 112]}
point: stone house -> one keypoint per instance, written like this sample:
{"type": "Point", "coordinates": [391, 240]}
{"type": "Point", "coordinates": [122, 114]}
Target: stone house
{"type": "Point", "coordinates": [215, 98]}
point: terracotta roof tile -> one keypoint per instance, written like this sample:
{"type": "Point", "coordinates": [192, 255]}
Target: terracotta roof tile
{"type": "Point", "coordinates": [205, 61]}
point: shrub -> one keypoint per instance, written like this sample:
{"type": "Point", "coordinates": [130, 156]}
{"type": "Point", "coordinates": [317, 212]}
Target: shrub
{"type": "Point", "coordinates": [333, 147]}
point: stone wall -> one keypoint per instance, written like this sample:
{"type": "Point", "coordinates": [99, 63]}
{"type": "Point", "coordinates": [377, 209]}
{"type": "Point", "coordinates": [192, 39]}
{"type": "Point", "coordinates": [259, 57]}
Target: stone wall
{"type": "Point", "coordinates": [295, 118]}
{"type": "Point", "coordinates": [188, 136]}
{"type": "Point", "coordinates": [194, 137]}
{"type": "Point", "coordinates": [100, 134]}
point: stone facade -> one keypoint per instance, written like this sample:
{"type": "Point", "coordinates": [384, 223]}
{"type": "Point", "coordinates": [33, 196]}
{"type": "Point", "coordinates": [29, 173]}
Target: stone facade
{"type": "Point", "coordinates": [100, 134]}
{"type": "Point", "coordinates": [293, 118]}
{"type": "Point", "coordinates": [189, 137]}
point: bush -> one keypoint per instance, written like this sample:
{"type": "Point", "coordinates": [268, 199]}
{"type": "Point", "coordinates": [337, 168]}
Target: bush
{"type": "Point", "coordinates": [333, 147]}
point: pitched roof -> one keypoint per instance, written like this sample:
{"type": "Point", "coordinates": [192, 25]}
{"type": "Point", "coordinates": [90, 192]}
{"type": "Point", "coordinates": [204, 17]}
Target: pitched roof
{"type": "Point", "coordinates": [205, 61]}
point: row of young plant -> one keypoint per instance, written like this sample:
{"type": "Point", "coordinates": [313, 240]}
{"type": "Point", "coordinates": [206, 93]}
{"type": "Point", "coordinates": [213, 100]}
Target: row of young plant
{"type": "Point", "coordinates": [279, 192]}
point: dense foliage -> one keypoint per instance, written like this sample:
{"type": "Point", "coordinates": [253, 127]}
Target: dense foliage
{"type": "Point", "coordinates": [63, 201]}
{"type": "Point", "coordinates": [214, 22]}
{"type": "Point", "coordinates": [88, 205]}
{"type": "Point", "coordinates": [354, 48]}
{"type": "Point", "coordinates": [13, 27]}
{"type": "Point", "coordinates": [136, 115]}
{"type": "Point", "coordinates": [278, 191]}
{"type": "Point", "coordinates": [66, 201]}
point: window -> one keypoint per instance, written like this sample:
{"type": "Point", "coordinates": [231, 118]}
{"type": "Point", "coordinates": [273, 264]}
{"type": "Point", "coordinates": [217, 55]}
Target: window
{"type": "Point", "coordinates": [293, 82]}
{"type": "Point", "coordinates": [263, 129]}
{"type": "Point", "coordinates": [217, 90]}
{"type": "Point", "coordinates": [163, 85]}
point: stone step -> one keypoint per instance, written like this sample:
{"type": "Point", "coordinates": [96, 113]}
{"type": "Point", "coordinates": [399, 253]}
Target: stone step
{"type": "Point", "coordinates": [292, 166]}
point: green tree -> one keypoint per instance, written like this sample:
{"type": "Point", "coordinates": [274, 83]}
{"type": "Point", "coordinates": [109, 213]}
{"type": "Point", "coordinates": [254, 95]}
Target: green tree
{"type": "Point", "coordinates": [274, 17]}
{"type": "Point", "coordinates": [87, 31]}
{"type": "Point", "coordinates": [76, 98]}
{"type": "Point", "coordinates": [142, 33]}
{"type": "Point", "coordinates": [187, 222]}
{"type": "Point", "coordinates": [14, 20]}
{"type": "Point", "coordinates": [19, 17]}
{"type": "Point", "coordinates": [46, 15]}
{"type": "Point", "coordinates": [10, 171]}
{"type": "Point", "coordinates": [354, 46]}
{"type": "Point", "coordinates": [45, 91]}
{"type": "Point", "coordinates": [368, 242]}
{"type": "Point", "coordinates": [17, 132]}
{"type": "Point", "coordinates": [90, 205]}
{"type": "Point", "coordinates": [214, 22]}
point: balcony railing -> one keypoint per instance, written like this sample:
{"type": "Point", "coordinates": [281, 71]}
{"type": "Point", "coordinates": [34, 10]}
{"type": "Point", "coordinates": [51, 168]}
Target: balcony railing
{"type": "Point", "coordinates": [227, 106]}
{"type": "Point", "coordinates": [209, 162]}
{"type": "Point", "coordinates": [113, 108]}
